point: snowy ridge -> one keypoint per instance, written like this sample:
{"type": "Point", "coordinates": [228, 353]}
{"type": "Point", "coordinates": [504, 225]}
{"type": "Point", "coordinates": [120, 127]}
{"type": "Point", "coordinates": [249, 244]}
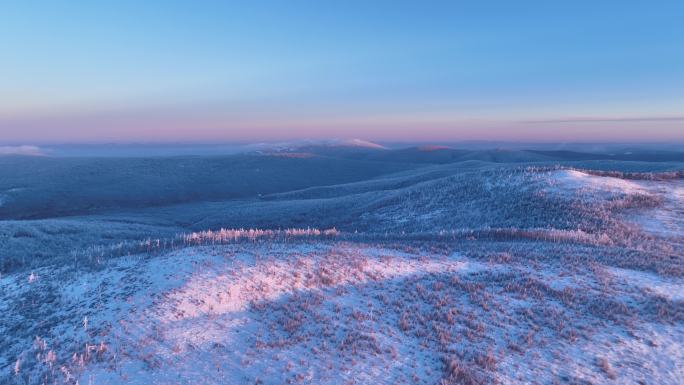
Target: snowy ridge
{"type": "Point", "coordinates": [456, 275]}
{"type": "Point", "coordinates": [329, 312]}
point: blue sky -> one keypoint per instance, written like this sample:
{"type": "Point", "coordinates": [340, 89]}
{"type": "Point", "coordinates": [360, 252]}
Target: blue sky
{"type": "Point", "coordinates": [96, 71]}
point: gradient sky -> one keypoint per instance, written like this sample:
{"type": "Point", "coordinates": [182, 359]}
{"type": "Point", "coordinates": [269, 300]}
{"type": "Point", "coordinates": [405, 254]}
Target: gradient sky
{"type": "Point", "coordinates": [205, 71]}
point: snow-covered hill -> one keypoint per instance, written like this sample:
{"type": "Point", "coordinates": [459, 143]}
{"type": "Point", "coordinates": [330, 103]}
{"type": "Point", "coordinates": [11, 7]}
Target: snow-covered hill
{"type": "Point", "coordinates": [330, 312]}
{"type": "Point", "coordinates": [461, 273]}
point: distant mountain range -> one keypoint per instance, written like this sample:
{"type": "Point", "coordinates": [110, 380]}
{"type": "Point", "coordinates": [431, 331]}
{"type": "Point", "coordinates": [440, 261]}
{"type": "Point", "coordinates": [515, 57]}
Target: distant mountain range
{"type": "Point", "coordinates": [439, 154]}
{"type": "Point", "coordinates": [436, 153]}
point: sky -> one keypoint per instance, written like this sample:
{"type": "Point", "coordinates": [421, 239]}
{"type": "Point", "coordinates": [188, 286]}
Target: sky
{"type": "Point", "coordinates": [228, 71]}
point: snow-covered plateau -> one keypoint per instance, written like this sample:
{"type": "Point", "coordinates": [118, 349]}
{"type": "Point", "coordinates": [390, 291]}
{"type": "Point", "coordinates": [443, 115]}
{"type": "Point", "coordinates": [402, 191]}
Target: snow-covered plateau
{"type": "Point", "coordinates": [471, 272]}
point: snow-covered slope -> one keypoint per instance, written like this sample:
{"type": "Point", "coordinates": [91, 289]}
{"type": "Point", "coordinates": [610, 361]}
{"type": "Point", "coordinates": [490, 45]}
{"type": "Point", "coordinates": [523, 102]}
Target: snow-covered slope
{"type": "Point", "coordinates": [468, 273]}
{"type": "Point", "coordinates": [328, 312]}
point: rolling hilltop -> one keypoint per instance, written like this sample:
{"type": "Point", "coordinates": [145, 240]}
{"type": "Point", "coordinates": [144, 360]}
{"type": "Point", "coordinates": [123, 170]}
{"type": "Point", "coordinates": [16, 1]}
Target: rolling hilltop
{"type": "Point", "coordinates": [342, 262]}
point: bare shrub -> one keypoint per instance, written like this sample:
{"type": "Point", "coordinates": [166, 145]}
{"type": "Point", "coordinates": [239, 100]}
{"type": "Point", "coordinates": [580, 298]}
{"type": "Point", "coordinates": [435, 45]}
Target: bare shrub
{"type": "Point", "coordinates": [605, 367]}
{"type": "Point", "coordinates": [456, 372]}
